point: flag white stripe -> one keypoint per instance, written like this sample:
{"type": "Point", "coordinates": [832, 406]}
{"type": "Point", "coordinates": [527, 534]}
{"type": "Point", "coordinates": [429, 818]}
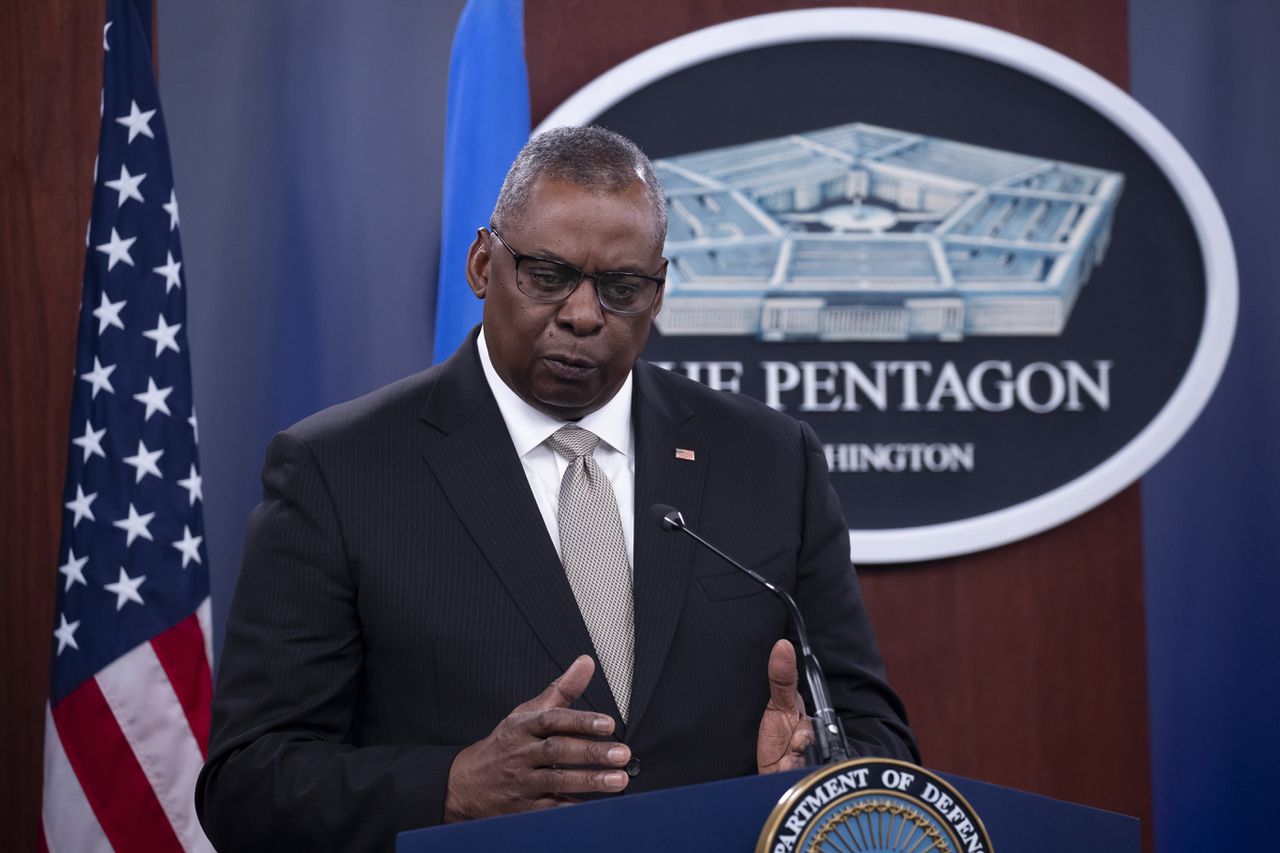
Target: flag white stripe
{"type": "Point", "coordinates": [204, 615]}
{"type": "Point", "coordinates": [70, 825]}
{"type": "Point", "coordinates": [148, 711]}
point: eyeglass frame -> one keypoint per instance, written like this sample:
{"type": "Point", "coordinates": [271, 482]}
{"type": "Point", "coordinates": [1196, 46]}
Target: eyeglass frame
{"type": "Point", "coordinates": [517, 258]}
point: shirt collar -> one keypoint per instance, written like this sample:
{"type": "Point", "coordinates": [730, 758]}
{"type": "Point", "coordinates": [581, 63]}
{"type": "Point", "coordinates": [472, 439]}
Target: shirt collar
{"type": "Point", "coordinates": [530, 427]}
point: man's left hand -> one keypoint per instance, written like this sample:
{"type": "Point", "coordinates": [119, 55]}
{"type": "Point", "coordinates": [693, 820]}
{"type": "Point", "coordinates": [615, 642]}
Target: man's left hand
{"type": "Point", "coordinates": [785, 729]}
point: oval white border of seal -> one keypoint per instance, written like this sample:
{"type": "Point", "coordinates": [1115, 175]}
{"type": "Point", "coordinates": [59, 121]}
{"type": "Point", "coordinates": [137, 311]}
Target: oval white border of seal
{"type": "Point", "coordinates": [1052, 508]}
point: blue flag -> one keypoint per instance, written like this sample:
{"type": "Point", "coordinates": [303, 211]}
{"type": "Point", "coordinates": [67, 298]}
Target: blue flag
{"type": "Point", "coordinates": [487, 123]}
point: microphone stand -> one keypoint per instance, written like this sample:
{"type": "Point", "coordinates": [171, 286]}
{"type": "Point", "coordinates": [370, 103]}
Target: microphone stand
{"type": "Point", "coordinates": [829, 743]}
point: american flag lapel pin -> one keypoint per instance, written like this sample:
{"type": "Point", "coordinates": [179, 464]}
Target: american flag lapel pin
{"type": "Point", "coordinates": [686, 455]}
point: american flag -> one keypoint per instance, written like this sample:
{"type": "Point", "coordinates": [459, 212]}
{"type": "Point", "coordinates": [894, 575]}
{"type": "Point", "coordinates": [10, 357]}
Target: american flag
{"type": "Point", "coordinates": [127, 724]}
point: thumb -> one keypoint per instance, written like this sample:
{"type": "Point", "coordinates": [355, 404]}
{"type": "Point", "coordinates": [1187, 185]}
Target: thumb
{"type": "Point", "coordinates": [566, 689]}
{"type": "Point", "coordinates": [784, 679]}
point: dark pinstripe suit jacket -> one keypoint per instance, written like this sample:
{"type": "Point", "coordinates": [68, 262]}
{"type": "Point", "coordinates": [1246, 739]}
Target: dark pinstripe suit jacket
{"type": "Point", "coordinates": [400, 595]}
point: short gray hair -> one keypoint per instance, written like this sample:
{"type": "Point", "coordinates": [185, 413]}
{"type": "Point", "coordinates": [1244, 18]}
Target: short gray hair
{"type": "Point", "coordinates": [591, 157]}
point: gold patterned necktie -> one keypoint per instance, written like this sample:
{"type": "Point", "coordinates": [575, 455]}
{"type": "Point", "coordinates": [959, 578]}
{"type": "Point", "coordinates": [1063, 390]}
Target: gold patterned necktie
{"type": "Point", "coordinates": [594, 554]}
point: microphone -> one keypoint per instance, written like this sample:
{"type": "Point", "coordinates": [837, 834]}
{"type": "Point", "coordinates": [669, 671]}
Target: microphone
{"type": "Point", "coordinates": [829, 741]}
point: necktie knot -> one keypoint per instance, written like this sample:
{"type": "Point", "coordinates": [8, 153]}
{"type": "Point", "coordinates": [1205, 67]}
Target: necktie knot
{"type": "Point", "coordinates": [573, 442]}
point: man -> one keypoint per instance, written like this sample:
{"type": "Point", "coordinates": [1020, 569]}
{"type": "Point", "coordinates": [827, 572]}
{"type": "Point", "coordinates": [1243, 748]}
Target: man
{"type": "Point", "coordinates": [453, 603]}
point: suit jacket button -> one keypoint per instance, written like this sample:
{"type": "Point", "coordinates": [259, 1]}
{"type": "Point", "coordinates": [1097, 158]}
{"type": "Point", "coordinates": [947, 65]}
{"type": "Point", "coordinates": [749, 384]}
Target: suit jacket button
{"type": "Point", "coordinates": [633, 767]}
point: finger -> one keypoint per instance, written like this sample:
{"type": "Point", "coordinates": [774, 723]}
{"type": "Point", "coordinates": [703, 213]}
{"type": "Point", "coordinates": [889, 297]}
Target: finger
{"type": "Point", "coordinates": [561, 721]}
{"type": "Point", "coordinates": [550, 802]}
{"type": "Point", "coordinates": [562, 751]}
{"type": "Point", "coordinates": [783, 678]}
{"type": "Point", "coordinates": [566, 689]}
{"type": "Point", "coordinates": [560, 780]}
{"type": "Point", "coordinates": [800, 740]}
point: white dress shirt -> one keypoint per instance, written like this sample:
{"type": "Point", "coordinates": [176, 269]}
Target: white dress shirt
{"type": "Point", "coordinates": [545, 468]}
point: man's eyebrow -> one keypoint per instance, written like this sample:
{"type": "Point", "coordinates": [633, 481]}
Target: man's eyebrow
{"type": "Point", "coordinates": [548, 255]}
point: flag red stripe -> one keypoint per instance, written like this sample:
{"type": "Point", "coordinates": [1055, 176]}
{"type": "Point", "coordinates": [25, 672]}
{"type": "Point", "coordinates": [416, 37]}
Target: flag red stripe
{"type": "Point", "coordinates": [181, 653]}
{"type": "Point", "coordinates": [113, 781]}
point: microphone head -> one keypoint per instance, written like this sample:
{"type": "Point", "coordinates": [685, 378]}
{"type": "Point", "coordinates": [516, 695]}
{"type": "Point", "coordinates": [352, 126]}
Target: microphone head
{"type": "Point", "coordinates": [667, 517]}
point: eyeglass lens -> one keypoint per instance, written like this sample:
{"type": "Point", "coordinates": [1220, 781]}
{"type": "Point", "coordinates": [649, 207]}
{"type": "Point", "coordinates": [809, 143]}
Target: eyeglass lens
{"type": "Point", "coordinates": [549, 281]}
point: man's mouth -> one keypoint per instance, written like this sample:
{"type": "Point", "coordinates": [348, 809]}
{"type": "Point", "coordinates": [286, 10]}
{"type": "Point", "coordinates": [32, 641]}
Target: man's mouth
{"type": "Point", "coordinates": [569, 367]}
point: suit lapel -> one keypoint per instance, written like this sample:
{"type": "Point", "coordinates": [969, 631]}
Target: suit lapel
{"type": "Point", "coordinates": [477, 467]}
{"type": "Point", "coordinates": [663, 561]}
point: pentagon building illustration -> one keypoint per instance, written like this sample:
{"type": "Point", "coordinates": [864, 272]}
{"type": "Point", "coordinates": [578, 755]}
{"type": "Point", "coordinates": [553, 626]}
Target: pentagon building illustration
{"type": "Point", "coordinates": [858, 232]}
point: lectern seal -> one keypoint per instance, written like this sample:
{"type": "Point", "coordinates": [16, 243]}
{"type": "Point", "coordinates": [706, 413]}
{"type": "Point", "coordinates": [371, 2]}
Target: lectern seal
{"type": "Point", "coordinates": [873, 805]}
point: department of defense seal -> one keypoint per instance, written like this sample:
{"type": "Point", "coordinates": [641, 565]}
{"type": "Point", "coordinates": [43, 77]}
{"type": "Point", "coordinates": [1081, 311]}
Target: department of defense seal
{"type": "Point", "coordinates": [873, 805]}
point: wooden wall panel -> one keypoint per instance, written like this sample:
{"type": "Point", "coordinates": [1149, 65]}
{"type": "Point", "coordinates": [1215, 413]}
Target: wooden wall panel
{"type": "Point", "coordinates": [568, 43]}
{"type": "Point", "coordinates": [1024, 665]}
{"type": "Point", "coordinates": [50, 76]}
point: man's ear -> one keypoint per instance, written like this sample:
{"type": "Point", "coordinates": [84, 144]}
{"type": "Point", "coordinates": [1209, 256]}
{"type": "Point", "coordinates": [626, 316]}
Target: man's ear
{"type": "Point", "coordinates": [478, 258]}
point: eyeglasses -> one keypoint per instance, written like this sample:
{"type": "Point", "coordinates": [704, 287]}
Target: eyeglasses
{"type": "Point", "coordinates": [546, 280]}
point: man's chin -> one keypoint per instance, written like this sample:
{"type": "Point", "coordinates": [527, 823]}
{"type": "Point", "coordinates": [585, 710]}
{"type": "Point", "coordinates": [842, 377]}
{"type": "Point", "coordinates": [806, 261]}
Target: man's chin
{"type": "Point", "coordinates": [570, 407]}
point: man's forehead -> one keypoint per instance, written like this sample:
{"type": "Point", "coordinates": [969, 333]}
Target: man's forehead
{"type": "Point", "coordinates": [549, 190]}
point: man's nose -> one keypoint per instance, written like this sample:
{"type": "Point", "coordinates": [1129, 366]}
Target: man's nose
{"type": "Point", "coordinates": [581, 312]}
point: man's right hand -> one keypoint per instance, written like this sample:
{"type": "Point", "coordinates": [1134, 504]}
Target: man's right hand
{"type": "Point", "coordinates": [537, 757]}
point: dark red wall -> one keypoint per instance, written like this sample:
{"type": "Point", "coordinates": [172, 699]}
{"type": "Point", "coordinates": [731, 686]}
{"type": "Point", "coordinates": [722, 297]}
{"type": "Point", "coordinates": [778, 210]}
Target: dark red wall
{"type": "Point", "coordinates": [50, 76]}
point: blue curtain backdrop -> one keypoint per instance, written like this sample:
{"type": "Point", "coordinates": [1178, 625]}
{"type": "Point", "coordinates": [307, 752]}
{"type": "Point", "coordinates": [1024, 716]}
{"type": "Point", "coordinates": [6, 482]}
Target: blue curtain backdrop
{"type": "Point", "coordinates": [1211, 508]}
{"type": "Point", "coordinates": [307, 139]}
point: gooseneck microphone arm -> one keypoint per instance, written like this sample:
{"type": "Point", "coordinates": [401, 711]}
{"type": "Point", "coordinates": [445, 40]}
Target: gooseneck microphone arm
{"type": "Point", "coordinates": [829, 741]}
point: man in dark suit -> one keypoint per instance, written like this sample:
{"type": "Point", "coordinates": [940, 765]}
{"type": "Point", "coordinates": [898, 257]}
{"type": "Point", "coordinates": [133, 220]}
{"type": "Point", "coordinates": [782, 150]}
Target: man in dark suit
{"type": "Point", "coordinates": [427, 558]}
